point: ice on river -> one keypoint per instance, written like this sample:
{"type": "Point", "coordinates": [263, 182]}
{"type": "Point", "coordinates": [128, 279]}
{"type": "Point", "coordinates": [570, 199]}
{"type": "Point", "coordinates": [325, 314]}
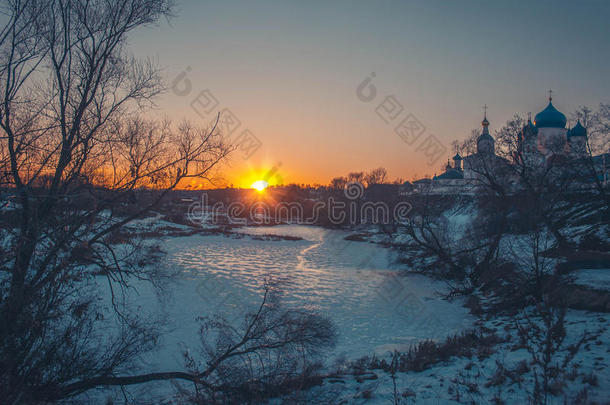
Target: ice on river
{"type": "Point", "coordinates": [354, 283]}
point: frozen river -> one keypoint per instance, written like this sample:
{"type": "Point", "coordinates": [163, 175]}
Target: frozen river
{"type": "Point", "coordinates": [353, 283]}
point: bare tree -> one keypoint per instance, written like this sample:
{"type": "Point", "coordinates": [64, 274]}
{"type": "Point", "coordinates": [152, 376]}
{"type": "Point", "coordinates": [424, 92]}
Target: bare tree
{"type": "Point", "coordinates": [601, 132]}
{"type": "Point", "coordinates": [274, 351]}
{"type": "Point", "coordinates": [467, 146]}
{"type": "Point", "coordinates": [543, 334]}
{"type": "Point", "coordinates": [598, 127]}
{"type": "Point", "coordinates": [355, 177]}
{"type": "Point", "coordinates": [461, 256]}
{"type": "Point", "coordinates": [376, 176]}
{"type": "Point", "coordinates": [74, 149]}
{"type": "Point", "coordinates": [520, 192]}
{"type": "Point", "coordinates": [530, 255]}
{"type": "Point", "coordinates": [598, 143]}
{"type": "Point", "coordinates": [338, 183]}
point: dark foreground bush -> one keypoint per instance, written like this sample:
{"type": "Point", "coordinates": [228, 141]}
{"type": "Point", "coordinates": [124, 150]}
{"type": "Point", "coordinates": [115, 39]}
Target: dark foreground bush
{"type": "Point", "coordinates": [428, 353]}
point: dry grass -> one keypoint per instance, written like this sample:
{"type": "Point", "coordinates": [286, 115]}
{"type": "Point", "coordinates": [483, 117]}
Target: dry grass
{"type": "Point", "coordinates": [428, 353]}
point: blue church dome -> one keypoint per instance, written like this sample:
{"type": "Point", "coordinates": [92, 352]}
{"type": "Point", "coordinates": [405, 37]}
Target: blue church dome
{"type": "Point", "coordinates": [550, 118]}
{"type": "Point", "coordinates": [578, 130]}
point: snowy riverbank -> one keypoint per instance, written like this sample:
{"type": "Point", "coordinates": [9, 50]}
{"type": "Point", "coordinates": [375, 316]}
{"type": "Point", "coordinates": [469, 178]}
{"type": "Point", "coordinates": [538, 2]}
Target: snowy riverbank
{"type": "Point", "coordinates": [376, 307]}
{"type": "Point", "coordinates": [356, 285]}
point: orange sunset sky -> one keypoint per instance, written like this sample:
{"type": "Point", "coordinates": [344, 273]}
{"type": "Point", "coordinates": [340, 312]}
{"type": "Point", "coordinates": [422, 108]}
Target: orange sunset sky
{"type": "Point", "coordinates": [289, 71]}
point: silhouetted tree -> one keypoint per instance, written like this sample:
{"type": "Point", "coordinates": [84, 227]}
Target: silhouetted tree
{"type": "Point", "coordinates": [597, 123]}
{"type": "Point", "coordinates": [376, 176]}
{"type": "Point", "coordinates": [338, 183]}
{"type": "Point", "coordinates": [74, 151]}
{"type": "Point", "coordinates": [355, 177]}
{"type": "Point", "coordinates": [274, 351]}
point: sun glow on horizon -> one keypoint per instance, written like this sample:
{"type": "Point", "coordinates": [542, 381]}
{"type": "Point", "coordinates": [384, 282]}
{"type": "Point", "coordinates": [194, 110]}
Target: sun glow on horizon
{"type": "Point", "coordinates": [260, 178]}
{"type": "Point", "coordinates": [260, 185]}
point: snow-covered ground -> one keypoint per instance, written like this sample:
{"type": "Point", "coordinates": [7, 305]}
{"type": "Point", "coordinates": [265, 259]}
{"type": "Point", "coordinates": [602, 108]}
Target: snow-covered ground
{"type": "Point", "coordinates": [375, 308]}
{"type": "Point", "coordinates": [595, 278]}
{"type": "Point", "coordinates": [474, 380]}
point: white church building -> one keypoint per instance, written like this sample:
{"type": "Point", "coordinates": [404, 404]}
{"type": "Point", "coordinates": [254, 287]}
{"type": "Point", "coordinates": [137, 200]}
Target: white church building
{"type": "Point", "coordinates": [540, 142]}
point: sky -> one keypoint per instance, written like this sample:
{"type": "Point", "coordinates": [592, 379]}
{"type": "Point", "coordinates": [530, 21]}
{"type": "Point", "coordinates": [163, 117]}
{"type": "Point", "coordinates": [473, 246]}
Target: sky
{"type": "Point", "coordinates": [289, 72]}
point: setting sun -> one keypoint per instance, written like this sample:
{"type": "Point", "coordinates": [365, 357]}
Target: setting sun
{"type": "Point", "coordinates": [260, 185]}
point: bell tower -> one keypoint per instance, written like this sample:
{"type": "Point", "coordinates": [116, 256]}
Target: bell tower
{"type": "Point", "coordinates": [485, 142]}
